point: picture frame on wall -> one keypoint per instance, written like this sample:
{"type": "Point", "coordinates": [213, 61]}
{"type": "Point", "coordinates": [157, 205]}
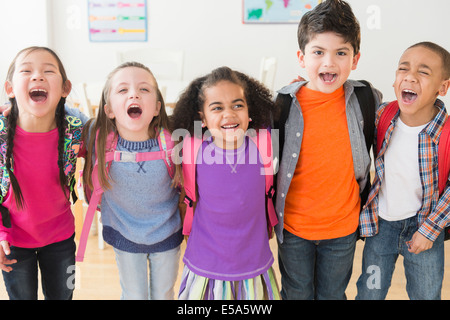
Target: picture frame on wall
{"type": "Point", "coordinates": [117, 20]}
{"type": "Point", "coordinates": [275, 11]}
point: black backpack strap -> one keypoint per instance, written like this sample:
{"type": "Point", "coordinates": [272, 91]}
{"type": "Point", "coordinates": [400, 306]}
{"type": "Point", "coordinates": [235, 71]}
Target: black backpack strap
{"type": "Point", "coordinates": [367, 104]}
{"type": "Point", "coordinates": [283, 104]}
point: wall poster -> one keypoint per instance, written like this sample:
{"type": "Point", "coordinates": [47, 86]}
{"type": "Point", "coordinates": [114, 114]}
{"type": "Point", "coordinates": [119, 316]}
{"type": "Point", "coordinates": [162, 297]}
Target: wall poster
{"type": "Point", "coordinates": [276, 11]}
{"type": "Point", "coordinates": [112, 20]}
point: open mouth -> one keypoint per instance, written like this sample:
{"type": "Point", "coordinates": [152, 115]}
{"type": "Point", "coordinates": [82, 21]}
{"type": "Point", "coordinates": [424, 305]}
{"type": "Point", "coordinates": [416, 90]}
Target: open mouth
{"type": "Point", "coordinates": [328, 77]}
{"type": "Point", "coordinates": [134, 111]}
{"type": "Point", "coordinates": [408, 96]}
{"type": "Point", "coordinates": [38, 95]}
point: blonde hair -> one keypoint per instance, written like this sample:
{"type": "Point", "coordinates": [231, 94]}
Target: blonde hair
{"type": "Point", "coordinates": [103, 125]}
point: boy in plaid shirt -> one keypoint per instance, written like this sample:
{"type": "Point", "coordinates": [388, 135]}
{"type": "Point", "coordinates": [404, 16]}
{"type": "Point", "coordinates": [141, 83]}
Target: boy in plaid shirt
{"type": "Point", "coordinates": [405, 213]}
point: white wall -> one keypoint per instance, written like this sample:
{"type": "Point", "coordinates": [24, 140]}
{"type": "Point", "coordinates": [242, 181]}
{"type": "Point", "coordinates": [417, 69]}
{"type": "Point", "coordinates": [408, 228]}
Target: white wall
{"type": "Point", "coordinates": [23, 23]}
{"type": "Point", "coordinates": [211, 34]}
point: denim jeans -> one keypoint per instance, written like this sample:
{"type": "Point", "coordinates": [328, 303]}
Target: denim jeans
{"type": "Point", "coordinates": [57, 265]}
{"type": "Point", "coordinates": [315, 269]}
{"type": "Point", "coordinates": [136, 269]}
{"type": "Point", "coordinates": [424, 271]}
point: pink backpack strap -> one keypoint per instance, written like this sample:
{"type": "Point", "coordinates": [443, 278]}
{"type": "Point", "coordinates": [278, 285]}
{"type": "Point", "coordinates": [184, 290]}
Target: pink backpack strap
{"type": "Point", "coordinates": [385, 121]}
{"type": "Point", "coordinates": [264, 143]}
{"type": "Point", "coordinates": [96, 194]}
{"type": "Point", "coordinates": [166, 146]}
{"type": "Point", "coordinates": [191, 146]}
{"type": "Point", "coordinates": [444, 156]}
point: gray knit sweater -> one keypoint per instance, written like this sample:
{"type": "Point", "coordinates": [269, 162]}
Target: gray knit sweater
{"type": "Point", "coordinates": [140, 212]}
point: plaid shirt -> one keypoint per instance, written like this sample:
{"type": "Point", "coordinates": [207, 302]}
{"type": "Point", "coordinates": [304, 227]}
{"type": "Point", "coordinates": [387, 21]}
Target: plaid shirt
{"type": "Point", "coordinates": [434, 213]}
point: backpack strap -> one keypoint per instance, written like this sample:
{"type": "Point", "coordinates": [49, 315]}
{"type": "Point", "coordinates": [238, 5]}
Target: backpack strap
{"type": "Point", "coordinates": [283, 104]}
{"type": "Point", "coordinates": [264, 143]}
{"type": "Point", "coordinates": [191, 147]}
{"type": "Point", "coordinates": [444, 156]}
{"type": "Point", "coordinates": [94, 196]}
{"type": "Point", "coordinates": [444, 164]}
{"type": "Point", "coordinates": [72, 143]}
{"type": "Point", "coordinates": [384, 122]}
{"type": "Point", "coordinates": [367, 106]}
{"type": "Point", "coordinates": [72, 146]}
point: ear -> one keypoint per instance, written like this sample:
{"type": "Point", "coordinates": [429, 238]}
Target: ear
{"type": "Point", "coordinates": [67, 87]}
{"type": "Point", "coordinates": [9, 89]}
{"type": "Point", "coordinates": [202, 116]}
{"type": "Point", "coordinates": [444, 88]}
{"type": "Point", "coordinates": [301, 58]}
{"type": "Point", "coordinates": [158, 108]}
{"type": "Point", "coordinates": [108, 112]}
{"type": "Point", "coordinates": [355, 60]}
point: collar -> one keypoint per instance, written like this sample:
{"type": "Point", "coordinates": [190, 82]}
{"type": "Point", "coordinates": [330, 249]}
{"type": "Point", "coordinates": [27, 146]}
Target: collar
{"type": "Point", "coordinates": [434, 128]}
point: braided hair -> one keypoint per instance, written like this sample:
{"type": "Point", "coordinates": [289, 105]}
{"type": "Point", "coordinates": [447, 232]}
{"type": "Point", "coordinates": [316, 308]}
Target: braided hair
{"type": "Point", "coordinates": [12, 124]}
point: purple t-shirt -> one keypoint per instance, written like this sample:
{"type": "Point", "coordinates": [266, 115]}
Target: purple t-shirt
{"type": "Point", "coordinates": [229, 239]}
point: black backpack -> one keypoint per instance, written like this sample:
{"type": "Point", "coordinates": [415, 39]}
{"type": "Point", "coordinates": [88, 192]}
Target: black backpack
{"type": "Point", "coordinates": [368, 108]}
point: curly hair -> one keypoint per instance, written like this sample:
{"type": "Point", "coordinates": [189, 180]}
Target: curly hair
{"type": "Point", "coordinates": [261, 107]}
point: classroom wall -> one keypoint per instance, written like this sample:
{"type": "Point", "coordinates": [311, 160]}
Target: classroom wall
{"type": "Point", "coordinates": [212, 34]}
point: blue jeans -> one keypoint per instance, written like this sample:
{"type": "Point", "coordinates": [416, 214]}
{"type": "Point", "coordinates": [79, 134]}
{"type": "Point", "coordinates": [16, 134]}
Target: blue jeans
{"type": "Point", "coordinates": [315, 269]}
{"type": "Point", "coordinates": [148, 276]}
{"type": "Point", "coordinates": [424, 271]}
{"type": "Point", "coordinates": [57, 265]}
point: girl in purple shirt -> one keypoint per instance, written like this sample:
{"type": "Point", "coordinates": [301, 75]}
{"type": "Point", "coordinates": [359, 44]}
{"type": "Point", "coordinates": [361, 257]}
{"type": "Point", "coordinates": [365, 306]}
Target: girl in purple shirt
{"type": "Point", "coordinates": [227, 254]}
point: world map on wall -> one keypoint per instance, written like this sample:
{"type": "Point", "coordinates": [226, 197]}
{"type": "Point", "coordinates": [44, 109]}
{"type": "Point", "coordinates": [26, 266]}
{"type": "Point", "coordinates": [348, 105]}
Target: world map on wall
{"type": "Point", "coordinates": [276, 11]}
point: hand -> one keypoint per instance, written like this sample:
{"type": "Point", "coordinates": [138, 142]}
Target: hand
{"type": "Point", "coordinates": [298, 79]}
{"type": "Point", "coordinates": [5, 109]}
{"type": "Point", "coordinates": [4, 261]}
{"type": "Point", "coordinates": [419, 243]}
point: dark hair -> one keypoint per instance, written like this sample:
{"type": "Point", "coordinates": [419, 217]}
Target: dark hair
{"type": "Point", "coordinates": [191, 102]}
{"type": "Point", "coordinates": [12, 123]}
{"type": "Point", "coordinates": [440, 51]}
{"type": "Point", "coordinates": [104, 125]}
{"type": "Point", "coordinates": [330, 16]}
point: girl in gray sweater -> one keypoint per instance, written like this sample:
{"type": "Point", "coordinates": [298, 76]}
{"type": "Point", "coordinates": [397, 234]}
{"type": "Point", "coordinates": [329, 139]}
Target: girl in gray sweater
{"type": "Point", "coordinates": [139, 206]}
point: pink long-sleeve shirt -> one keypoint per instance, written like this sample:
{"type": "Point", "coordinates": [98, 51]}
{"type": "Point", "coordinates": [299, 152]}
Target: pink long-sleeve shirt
{"type": "Point", "coordinates": [46, 217]}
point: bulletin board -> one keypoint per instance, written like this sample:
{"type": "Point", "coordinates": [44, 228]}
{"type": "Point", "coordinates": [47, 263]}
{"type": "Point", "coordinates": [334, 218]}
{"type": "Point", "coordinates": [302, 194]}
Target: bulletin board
{"type": "Point", "coordinates": [112, 20]}
{"type": "Point", "coordinates": [276, 11]}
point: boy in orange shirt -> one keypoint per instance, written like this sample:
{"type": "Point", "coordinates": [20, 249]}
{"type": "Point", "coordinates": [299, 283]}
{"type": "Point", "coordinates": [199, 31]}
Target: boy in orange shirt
{"type": "Point", "coordinates": [325, 163]}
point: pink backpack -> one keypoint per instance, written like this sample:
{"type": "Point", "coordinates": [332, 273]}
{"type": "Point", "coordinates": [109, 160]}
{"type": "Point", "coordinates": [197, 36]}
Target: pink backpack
{"type": "Point", "coordinates": [94, 196]}
{"type": "Point", "coordinates": [191, 146]}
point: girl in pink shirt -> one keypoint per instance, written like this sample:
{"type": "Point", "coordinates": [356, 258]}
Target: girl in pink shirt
{"type": "Point", "coordinates": [38, 150]}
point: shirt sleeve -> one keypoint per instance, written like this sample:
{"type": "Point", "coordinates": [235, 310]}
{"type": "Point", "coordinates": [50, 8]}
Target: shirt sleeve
{"type": "Point", "coordinates": [439, 217]}
{"type": "Point", "coordinates": [76, 113]}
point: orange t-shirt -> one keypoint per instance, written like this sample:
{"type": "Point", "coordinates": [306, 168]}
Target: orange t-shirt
{"type": "Point", "coordinates": [323, 199]}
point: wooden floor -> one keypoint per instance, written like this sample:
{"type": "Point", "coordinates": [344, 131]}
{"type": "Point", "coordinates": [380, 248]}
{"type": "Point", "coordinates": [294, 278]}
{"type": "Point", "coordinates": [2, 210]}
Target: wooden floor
{"type": "Point", "coordinates": [97, 277]}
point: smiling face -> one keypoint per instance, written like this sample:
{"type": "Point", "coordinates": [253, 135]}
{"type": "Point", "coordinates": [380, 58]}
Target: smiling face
{"type": "Point", "coordinates": [225, 114]}
{"type": "Point", "coordinates": [419, 80]}
{"type": "Point", "coordinates": [328, 60]}
{"type": "Point", "coordinates": [37, 85]}
{"type": "Point", "coordinates": [133, 102]}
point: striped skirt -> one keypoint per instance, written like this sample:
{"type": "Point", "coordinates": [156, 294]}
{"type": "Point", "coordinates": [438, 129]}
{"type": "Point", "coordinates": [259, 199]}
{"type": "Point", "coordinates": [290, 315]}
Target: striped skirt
{"type": "Point", "coordinates": [195, 287]}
